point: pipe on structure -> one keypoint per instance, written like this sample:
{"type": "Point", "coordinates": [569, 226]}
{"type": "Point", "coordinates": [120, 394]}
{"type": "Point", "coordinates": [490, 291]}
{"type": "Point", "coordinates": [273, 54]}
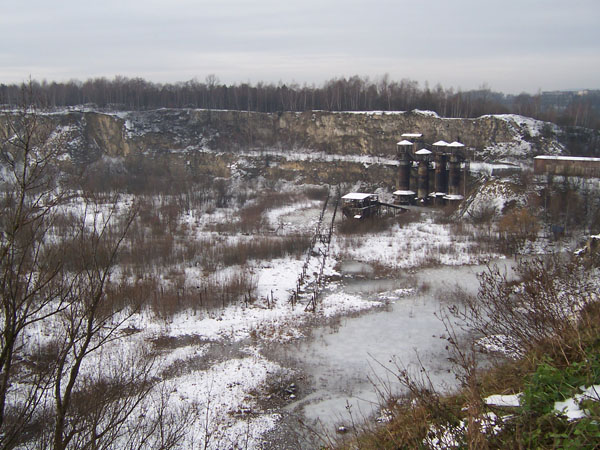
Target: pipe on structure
{"type": "Point", "coordinates": [454, 175]}
{"type": "Point", "coordinates": [423, 180]}
{"type": "Point", "coordinates": [441, 174]}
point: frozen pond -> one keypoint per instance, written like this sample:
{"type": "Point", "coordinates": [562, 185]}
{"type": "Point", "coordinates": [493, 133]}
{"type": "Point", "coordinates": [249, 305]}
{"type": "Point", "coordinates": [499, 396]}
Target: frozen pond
{"type": "Point", "coordinates": [343, 360]}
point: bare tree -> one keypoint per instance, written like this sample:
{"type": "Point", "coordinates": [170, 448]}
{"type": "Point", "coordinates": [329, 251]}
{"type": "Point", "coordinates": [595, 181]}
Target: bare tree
{"type": "Point", "coordinates": [32, 288]}
{"type": "Point", "coordinates": [88, 323]}
{"type": "Point", "coordinates": [63, 384]}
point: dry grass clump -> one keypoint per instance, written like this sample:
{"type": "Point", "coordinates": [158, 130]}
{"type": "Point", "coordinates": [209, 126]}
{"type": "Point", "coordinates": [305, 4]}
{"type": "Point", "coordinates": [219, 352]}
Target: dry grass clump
{"type": "Point", "coordinates": [213, 256]}
{"type": "Point", "coordinates": [364, 226]}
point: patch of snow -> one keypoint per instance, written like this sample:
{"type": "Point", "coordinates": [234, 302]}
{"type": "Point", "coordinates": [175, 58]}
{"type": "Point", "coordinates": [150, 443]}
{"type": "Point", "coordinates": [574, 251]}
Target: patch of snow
{"type": "Point", "coordinates": [275, 216]}
{"type": "Point", "coordinates": [270, 317]}
{"type": "Point", "coordinates": [512, 400]}
{"type": "Point", "coordinates": [368, 113]}
{"type": "Point", "coordinates": [568, 158]}
{"type": "Point", "coordinates": [425, 113]}
{"type": "Point", "coordinates": [494, 194]}
{"type": "Point", "coordinates": [571, 407]}
{"type": "Point", "coordinates": [311, 155]}
{"type": "Point", "coordinates": [341, 302]}
{"type": "Point", "coordinates": [489, 168]}
{"type": "Point", "coordinates": [533, 126]}
{"type": "Point", "coordinates": [500, 343]}
{"type": "Point", "coordinates": [182, 354]}
{"type": "Point", "coordinates": [412, 245]}
{"type": "Point", "coordinates": [449, 437]}
{"type": "Point", "coordinates": [221, 404]}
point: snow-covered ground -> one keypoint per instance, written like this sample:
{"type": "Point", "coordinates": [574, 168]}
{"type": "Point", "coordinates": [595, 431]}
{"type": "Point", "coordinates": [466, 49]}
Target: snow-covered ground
{"type": "Point", "coordinates": [271, 318]}
{"type": "Point", "coordinates": [220, 392]}
{"type": "Point", "coordinates": [412, 245]}
{"type": "Point", "coordinates": [495, 194]}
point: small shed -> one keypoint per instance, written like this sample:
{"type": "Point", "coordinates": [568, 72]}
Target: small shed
{"type": "Point", "coordinates": [404, 197]}
{"type": "Point", "coordinates": [359, 205]}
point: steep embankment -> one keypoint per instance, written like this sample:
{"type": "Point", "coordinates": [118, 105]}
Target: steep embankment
{"type": "Point", "coordinates": [311, 147]}
{"type": "Point", "coordinates": [370, 133]}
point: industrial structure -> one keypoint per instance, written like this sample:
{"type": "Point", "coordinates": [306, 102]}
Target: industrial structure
{"type": "Point", "coordinates": [425, 176]}
{"type": "Point", "coordinates": [359, 205]}
{"type": "Point", "coordinates": [438, 171]}
{"type": "Point", "coordinates": [567, 166]}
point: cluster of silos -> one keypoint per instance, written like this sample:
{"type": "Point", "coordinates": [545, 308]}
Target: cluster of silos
{"type": "Point", "coordinates": [446, 160]}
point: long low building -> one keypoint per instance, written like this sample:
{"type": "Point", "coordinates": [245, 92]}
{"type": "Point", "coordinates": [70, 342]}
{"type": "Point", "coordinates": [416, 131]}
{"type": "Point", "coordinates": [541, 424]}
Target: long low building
{"type": "Point", "coordinates": [568, 166]}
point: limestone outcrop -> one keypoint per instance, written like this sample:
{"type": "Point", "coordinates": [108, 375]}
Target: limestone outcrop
{"type": "Point", "coordinates": [90, 134]}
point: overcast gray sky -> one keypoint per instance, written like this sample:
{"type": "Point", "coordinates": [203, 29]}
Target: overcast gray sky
{"type": "Point", "coordinates": [512, 46]}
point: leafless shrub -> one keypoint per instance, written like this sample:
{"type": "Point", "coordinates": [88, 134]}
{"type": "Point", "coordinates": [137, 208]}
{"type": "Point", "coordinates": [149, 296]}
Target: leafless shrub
{"type": "Point", "coordinates": [252, 217]}
{"type": "Point", "coordinates": [517, 227]}
{"type": "Point", "coordinates": [482, 215]}
{"type": "Point", "coordinates": [167, 299]}
{"type": "Point", "coordinates": [537, 309]}
{"type": "Point", "coordinates": [263, 249]}
{"type": "Point", "coordinates": [221, 193]}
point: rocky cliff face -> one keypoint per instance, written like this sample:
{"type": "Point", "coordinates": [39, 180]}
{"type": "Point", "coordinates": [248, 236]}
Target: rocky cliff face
{"type": "Point", "coordinates": [91, 134]}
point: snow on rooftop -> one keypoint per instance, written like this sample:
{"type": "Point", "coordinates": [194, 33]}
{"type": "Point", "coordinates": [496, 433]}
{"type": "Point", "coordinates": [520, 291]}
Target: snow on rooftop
{"type": "Point", "coordinates": [404, 142]}
{"type": "Point", "coordinates": [356, 196]}
{"type": "Point", "coordinates": [401, 192]}
{"type": "Point", "coordinates": [456, 144]}
{"type": "Point", "coordinates": [423, 151]}
{"type": "Point", "coordinates": [568, 158]}
{"type": "Point", "coordinates": [440, 144]}
{"type": "Point", "coordinates": [453, 197]}
{"type": "Point", "coordinates": [412, 135]}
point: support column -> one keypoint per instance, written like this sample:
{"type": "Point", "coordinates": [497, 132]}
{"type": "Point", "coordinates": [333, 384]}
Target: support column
{"type": "Point", "coordinates": [404, 173]}
{"type": "Point", "coordinates": [441, 174]}
{"type": "Point", "coordinates": [454, 175]}
{"type": "Point", "coordinates": [423, 181]}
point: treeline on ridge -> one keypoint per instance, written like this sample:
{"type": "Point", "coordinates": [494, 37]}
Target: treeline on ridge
{"type": "Point", "coordinates": [339, 94]}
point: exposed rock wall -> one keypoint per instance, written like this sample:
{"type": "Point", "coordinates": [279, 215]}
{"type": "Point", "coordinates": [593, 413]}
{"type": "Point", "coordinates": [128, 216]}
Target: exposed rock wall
{"type": "Point", "coordinates": [120, 134]}
{"type": "Point", "coordinates": [107, 133]}
{"type": "Point", "coordinates": [348, 133]}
